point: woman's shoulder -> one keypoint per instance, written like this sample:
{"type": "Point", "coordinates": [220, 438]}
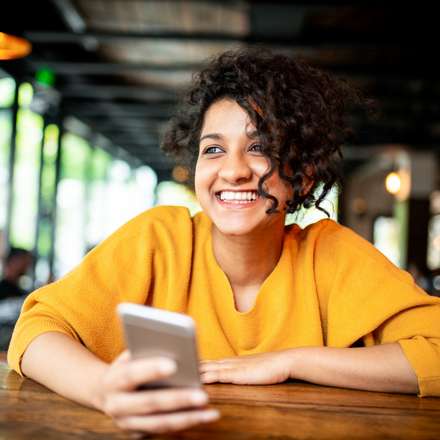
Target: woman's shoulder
{"type": "Point", "coordinates": [155, 224]}
{"type": "Point", "coordinates": [165, 215]}
{"type": "Point", "coordinates": [323, 230]}
{"type": "Point", "coordinates": [329, 236]}
{"type": "Point", "coordinates": [335, 245]}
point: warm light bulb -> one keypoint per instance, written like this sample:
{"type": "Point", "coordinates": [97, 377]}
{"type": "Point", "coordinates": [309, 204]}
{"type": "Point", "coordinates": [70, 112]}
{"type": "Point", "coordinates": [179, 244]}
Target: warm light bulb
{"type": "Point", "coordinates": [12, 47]}
{"type": "Point", "coordinates": [180, 173]}
{"type": "Point", "coordinates": [393, 183]}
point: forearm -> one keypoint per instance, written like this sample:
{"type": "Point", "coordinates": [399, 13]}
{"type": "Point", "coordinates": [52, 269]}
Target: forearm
{"type": "Point", "coordinates": [64, 366]}
{"type": "Point", "coordinates": [378, 368]}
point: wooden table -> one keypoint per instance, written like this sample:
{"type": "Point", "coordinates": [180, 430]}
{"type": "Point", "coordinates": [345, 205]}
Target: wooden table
{"type": "Point", "coordinates": [287, 411]}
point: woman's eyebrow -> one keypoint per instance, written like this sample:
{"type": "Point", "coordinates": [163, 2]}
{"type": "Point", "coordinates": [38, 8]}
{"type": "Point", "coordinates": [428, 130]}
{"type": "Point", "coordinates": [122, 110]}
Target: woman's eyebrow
{"type": "Point", "coordinates": [215, 136]}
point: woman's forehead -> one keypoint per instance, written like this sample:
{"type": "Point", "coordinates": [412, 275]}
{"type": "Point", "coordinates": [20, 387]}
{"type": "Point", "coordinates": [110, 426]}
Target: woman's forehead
{"type": "Point", "coordinates": [227, 117]}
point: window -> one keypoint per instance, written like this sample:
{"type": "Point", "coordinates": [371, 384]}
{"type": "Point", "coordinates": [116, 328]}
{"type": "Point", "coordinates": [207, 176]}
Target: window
{"type": "Point", "coordinates": [386, 237]}
{"type": "Point", "coordinates": [25, 184]}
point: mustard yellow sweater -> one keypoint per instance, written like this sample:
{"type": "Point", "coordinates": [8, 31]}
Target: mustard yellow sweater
{"type": "Point", "coordinates": [330, 287]}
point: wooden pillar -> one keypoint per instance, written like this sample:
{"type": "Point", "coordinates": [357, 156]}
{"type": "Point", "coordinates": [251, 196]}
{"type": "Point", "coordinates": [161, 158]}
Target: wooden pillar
{"type": "Point", "coordinates": [417, 240]}
{"type": "Point", "coordinates": [423, 172]}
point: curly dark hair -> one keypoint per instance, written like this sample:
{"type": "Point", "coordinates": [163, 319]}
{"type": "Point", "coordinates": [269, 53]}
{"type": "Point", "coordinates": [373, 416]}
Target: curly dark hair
{"type": "Point", "coordinates": [299, 112]}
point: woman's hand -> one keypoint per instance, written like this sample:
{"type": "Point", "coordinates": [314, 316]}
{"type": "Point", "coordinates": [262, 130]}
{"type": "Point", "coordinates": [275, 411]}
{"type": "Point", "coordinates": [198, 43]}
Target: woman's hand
{"type": "Point", "coordinates": [258, 369]}
{"type": "Point", "coordinates": [152, 411]}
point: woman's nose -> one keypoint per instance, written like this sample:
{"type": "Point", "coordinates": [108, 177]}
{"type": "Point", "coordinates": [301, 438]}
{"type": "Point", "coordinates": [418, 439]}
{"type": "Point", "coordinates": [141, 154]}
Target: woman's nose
{"type": "Point", "coordinates": [235, 168]}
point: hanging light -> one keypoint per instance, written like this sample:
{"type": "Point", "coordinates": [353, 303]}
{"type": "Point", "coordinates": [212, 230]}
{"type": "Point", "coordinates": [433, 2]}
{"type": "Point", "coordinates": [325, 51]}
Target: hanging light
{"type": "Point", "coordinates": [398, 183]}
{"type": "Point", "coordinates": [12, 47]}
{"type": "Point", "coordinates": [393, 183]}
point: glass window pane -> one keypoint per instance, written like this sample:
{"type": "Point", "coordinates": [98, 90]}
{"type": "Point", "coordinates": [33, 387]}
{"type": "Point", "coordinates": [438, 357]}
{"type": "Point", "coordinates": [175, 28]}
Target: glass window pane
{"type": "Point", "coordinates": [117, 194]}
{"type": "Point", "coordinates": [386, 237]}
{"type": "Point", "coordinates": [7, 89]}
{"type": "Point", "coordinates": [434, 243]}
{"type": "Point", "coordinates": [70, 242]}
{"type": "Point", "coordinates": [25, 184]}
{"type": "Point", "coordinates": [97, 204]}
{"type": "Point", "coordinates": [172, 193]}
{"type": "Point", "coordinates": [5, 141]}
{"type": "Point", "coordinates": [145, 182]}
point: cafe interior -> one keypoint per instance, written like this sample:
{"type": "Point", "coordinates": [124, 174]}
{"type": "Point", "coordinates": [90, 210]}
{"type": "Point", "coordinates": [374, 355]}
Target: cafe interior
{"type": "Point", "coordinates": [87, 88]}
{"type": "Point", "coordinates": [86, 91]}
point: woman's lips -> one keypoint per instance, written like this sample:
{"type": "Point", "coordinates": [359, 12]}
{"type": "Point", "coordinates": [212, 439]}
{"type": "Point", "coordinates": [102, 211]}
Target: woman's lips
{"type": "Point", "coordinates": [237, 204]}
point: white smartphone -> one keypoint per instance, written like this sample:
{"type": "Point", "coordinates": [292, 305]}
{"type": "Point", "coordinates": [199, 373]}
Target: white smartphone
{"type": "Point", "coordinates": [155, 332]}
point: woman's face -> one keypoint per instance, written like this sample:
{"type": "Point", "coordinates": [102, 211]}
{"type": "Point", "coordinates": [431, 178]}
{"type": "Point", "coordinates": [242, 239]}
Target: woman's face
{"type": "Point", "coordinates": [229, 166]}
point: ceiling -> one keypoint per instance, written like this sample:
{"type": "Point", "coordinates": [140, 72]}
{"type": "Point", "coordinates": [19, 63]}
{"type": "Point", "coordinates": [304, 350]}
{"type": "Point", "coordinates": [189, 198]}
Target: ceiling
{"type": "Point", "coordinates": [121, 65]}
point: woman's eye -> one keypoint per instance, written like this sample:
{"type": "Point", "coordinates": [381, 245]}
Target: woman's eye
{"type": "Point", "coordinates": [256, 147]}
{"type": "Point", "coordinates": [212, 150]}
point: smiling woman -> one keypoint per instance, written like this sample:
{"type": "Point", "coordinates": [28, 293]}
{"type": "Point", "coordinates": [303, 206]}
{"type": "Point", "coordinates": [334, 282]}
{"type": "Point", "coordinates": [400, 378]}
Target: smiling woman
{"type": "Point", "coordinates": [229, 167]}
{"type": "Point", "coordinates": [271, 302]}
{"type": "Point", "coordinates": [298, 114]}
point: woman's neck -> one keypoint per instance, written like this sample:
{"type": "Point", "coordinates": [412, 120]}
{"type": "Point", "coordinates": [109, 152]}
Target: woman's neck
{"type": "Point", "coordinates": [247, 260]}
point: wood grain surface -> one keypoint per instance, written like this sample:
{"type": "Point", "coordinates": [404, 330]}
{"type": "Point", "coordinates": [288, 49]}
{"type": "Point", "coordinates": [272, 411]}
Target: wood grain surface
{"type": "Point", "coordinates": [286, 411]}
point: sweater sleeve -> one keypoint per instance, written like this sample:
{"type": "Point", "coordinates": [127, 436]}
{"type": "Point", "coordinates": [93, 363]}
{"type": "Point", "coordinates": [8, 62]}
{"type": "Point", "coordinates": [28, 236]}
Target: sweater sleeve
{"type": "Point", "coordinates": [368, 298]}
{"type": "Point", "coordinates": [82, 303]}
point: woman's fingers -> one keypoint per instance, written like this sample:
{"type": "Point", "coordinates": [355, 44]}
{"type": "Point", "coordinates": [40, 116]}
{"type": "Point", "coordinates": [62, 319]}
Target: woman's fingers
{"type": "Point", "coordinates": [224, 375]}
{"type": "Point", "coordinates": [218, 371]}
{"type": "Point", "coordinates": [154, 401]}
{"type": "Point", "coordinates": [127, 376]}
{"type": "Point", "coordinates": [167, 422]}
{"type": "Point", "coordinates": [155, 410]}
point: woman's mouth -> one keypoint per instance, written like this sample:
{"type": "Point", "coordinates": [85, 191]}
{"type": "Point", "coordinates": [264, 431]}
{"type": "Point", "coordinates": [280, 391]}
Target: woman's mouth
{"type": "Point", "coordinates": [237, 198]}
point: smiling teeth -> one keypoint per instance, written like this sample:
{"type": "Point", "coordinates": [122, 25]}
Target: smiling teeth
{"type": "Point", "coordinates": [246, 196]}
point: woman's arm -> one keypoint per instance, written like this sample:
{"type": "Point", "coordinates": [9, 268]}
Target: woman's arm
{"type": "Point", "coordinates": [66, 367]}
{"type": "Point", "coordinates": [378, 368]}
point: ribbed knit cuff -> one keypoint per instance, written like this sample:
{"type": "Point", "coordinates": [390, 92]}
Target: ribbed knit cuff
{"type": "Point", "coordinates": [424, 358]}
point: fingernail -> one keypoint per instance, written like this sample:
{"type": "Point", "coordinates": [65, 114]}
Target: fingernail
{"type": "Point", "coordinates": [167, 366]}
{"type": "Point", "coordinates": [199, 398]}
{"type": "Point", "coordinates": [209, 416]}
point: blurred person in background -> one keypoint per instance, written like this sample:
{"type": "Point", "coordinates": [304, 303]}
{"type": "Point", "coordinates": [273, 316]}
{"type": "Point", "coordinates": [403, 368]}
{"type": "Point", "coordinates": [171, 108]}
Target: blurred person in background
{"type": "Point", "coordinates": [17, 263]}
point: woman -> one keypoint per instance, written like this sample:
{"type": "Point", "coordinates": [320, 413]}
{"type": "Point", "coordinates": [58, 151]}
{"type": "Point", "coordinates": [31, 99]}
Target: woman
{"type": "Point", "coordinates": [271, 302]}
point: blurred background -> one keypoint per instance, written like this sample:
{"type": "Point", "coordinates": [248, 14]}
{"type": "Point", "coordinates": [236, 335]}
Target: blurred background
{"type": "Point", "coordinates": [87, 87]}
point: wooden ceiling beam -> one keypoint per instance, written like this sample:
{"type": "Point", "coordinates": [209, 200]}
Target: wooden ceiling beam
{"type": "Point", "coordinates": [111, 68]}
{"type": "Point", "coordinates": [310, 41]}
{"type": "Point", "coordinates": [117, 91]}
